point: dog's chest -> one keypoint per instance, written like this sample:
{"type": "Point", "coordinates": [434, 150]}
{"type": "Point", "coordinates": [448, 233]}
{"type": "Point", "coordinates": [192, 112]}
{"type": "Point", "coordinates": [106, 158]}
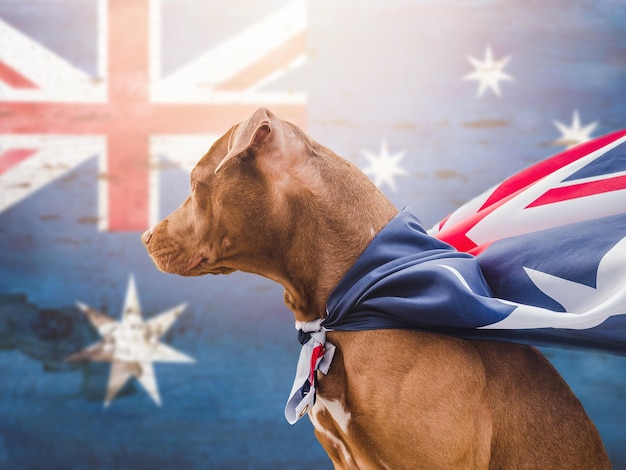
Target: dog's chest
{"type": "Point", "coordinates": [331, 420]}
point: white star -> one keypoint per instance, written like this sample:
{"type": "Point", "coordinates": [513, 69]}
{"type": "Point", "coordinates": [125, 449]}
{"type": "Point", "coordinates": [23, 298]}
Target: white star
{"type": "Point", "coordinates": [384, 167]}
{"type": "Point", "coordinates": [576, 134]}
{"type": "Point", "coordinates": [131, 345]}
{"type": "Point", "coordinates": [488, 72]}
{"type": "Point", "coordinates": [585, 306]}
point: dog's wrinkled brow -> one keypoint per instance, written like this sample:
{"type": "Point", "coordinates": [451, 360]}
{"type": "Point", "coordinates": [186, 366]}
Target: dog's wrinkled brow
{"type": "Point", "coordinates": [197, 174]}
{"type": "Point", "coordinates": [198, 178]}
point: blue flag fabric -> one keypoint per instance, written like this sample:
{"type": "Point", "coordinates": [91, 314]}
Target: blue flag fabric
{"type": "Point", "coordinates": [408, 279]}
{"type": "Point", "coordinates": [577, 272]}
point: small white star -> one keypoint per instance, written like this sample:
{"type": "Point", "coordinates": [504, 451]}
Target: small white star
{"type": "Point", "coordinates": [575, 134]}
{"type": "Point", "coordinates": [131, 345]}
{"type": "Point", "coordinates": [488, 72]}
{"type": "Point", "coordinates": [384, 167]}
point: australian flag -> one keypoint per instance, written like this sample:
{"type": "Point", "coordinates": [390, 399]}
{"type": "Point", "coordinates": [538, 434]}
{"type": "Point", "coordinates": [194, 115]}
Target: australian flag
{"type": "Point", "coordinates": [106, 105]}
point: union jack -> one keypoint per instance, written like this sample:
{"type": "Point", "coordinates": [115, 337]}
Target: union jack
{"type": "Point", "coordinates": [582, 183]}
{"type": "Point", "coordinates": [55, 116]}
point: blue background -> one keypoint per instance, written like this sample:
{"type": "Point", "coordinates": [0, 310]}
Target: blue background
{"type": "Point", "coordinates": [377, 70]}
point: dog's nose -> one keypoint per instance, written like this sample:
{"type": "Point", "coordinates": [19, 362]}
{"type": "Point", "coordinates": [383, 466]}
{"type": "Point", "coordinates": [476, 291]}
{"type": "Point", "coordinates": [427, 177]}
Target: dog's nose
{"type": "Point", "coordinates": [147, 235]}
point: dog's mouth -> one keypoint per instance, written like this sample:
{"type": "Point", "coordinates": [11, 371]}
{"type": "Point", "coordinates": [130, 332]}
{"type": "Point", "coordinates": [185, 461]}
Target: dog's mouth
{"type": "Point", "coordinates": [200, 266]}
{"type": "Point", "coordinates": [170, 261]}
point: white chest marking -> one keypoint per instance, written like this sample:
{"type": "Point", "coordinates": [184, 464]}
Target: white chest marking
{"type": "Point", "coordinates": [338, 412]}
{"type": "Point", "coordinates": [339, 415]}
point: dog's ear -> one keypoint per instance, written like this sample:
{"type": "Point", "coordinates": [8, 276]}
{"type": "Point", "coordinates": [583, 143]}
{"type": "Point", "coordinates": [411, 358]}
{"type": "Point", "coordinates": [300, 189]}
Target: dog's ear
{"type": "Point", "coordinates": [249, 134]}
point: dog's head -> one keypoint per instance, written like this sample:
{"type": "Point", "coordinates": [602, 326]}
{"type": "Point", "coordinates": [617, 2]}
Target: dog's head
{"type": "Point", "coordinates": [267, 199]}
{"type": "Point", "coordinates": [239, 209]}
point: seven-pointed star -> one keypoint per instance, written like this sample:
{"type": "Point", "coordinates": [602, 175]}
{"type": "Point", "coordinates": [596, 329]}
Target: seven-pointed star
{"type": "Point", "coordinates": [131, 345]}
{"type": "Point", "coordinates": [575, 134]}
{"type": "Point", "coordinates": [585, 306]}
{"type": "Point", "coordinates": [383, 167]}
{"type": "Point", "coordinates": [488, 72]}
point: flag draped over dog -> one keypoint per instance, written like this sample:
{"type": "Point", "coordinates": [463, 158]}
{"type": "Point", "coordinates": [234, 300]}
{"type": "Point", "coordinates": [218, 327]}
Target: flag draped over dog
{"type": "Point", "coordinates": [551, 239]}
{"type": "Point", "coordinates": [106, 105]}
{"type": "Point", "coordinates": [407, 279]}
{"type": "Point", "coordinates": [547, 267]}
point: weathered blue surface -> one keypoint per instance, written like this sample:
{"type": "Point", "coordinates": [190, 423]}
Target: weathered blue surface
{"type": "Point", "coordinates": [377, 70]}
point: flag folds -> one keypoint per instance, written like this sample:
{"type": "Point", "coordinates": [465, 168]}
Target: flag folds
{"type": "Point", "coordinates": [550, 246]}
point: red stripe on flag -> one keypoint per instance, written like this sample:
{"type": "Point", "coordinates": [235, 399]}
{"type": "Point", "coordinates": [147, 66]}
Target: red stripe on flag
{"type": "Point", "coordinates": [13, 78]}
{"type": "Point", "coordinates": [576, 191]}
{"type": "Point", "coordinates": [128, 145]}
{"type": "Point", "coordinates": [12, 157]}
{"type": "Point", "coordinates": [536, 172]}
{"type": "Point", "coordinates": [129, 118]}
{"type": "Point", "coordinates": [443, 222]}
{"type": "Point", "coordinates": [456, 235]}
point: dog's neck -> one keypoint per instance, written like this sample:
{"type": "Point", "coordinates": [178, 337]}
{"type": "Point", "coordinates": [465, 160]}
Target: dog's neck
{"type": "Point", "coordinates": [336, 218]}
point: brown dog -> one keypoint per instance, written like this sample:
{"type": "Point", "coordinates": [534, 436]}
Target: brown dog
{"type": "Point", "coordinates": [267, 199]}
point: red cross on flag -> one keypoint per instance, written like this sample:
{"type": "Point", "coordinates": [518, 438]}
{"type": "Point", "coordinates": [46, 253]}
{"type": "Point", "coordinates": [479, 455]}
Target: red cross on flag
{"type": "Point", "coordinates": [54, 116]}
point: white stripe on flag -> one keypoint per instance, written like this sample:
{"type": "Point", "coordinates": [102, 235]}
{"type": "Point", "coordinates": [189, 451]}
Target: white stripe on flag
{"type": "Point", "coordinates": [57, 80]}
{"type": "Point", "coordinates": [55, 156]}
{"type": "Point", "coordinates": [199, 80]}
